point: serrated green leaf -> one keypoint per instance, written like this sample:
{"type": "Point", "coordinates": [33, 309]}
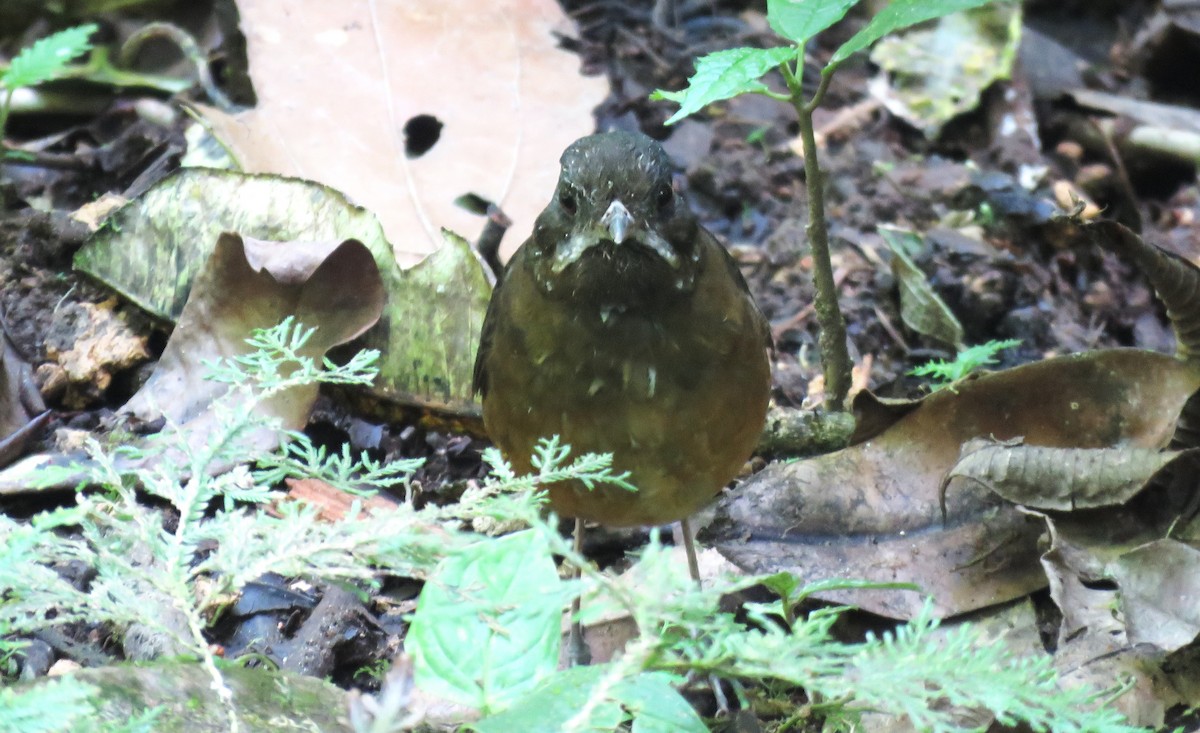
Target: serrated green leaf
{"type": "Point", "coordinates": [897, 15]}
{"type": "Point", "coordinates": [725, 74]}
{"type": "Point", "coordinates": [800, 20]}
{"type": "Point", "coordinates": [486, 629]}
{"type": "Point", "coordinates": [46, 58]}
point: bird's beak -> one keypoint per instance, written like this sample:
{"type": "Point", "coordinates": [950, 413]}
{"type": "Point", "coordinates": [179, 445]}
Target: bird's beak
{"type": "Point", "coordinates": [618, 220]}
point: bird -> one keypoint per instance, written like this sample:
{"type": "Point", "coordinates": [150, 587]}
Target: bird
{"type": "Point", "coordinates": [623, 326]}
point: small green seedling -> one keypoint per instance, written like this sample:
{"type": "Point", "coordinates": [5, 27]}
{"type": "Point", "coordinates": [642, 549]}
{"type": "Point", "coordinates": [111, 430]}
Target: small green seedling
{"type": "Point", "coordinates": [968, 360]}
{"type": "Point", "coordinates": [43, 61]}
{"type": "Point", "coordinates": [726, 74]}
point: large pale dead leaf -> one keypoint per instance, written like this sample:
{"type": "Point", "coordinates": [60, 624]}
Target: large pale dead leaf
{"type": "Point", "coordinates": [243, 285]}
{"type": "Point", "coordinates": [248, 284]}
{"type": "Point", "coordinates": [337, 83]}
{"type": "Point", "coordinates": [871, 511]}
{"type": "Point", "coordinates": [151, 249]}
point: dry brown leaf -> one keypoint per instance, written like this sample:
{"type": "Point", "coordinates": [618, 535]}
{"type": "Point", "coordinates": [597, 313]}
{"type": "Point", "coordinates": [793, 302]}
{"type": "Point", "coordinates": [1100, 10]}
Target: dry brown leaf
{"type": "Point", "coordinates": [871, 511]}
{"type": "Point", "coordinates": [1014, 625]}
{"type": "Point", "coordinates": [1073, 572]}
{"type": "Point", "coordinates": [1093, 647]}
{"type": "Point", "coordinates": [243, 285]}
{"type": "Point", "coordinates": [921, 308]}
{"type": "Point", "coordinates": [248, 284]}
{"type": "Point", "coordinates": [334, 503]}
{"type": "Point", "coordinates": [91, 343]}
{"type": "Point", "coordinates": [1096, 662]}
{"type": "Point", "coordinates": [1175, 280]}
{"type": "Point", "coordinates": [338, 82]}
{"type": "Point", "coordinates": [1061, 479]}
{"type": "Point", "coordinates": [1160, 593]}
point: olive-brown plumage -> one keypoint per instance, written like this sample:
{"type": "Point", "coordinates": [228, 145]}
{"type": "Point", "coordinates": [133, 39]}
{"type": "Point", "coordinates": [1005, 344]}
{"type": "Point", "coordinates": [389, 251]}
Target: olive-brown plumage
{"type": "Point", "coordinates": [624, 327]}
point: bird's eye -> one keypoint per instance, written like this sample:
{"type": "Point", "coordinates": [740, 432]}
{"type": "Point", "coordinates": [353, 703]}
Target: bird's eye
{"type": "Point", "coordinates": [566, 199]}
{"type": "Point", "coordinates": [666, 199]}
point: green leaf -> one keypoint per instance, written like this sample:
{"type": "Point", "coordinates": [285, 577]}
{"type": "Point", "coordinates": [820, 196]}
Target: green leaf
{"type": "Point", "coordinates": [921, 308]}
{"type": "Point", "coordinates": [658, 707]}
{"type": "Point", "coordinates": [967, 361]}
{"type": "Point", "coordinates": [800, 20]}
{"type": "Point", "coordinates": [782, 584]}
{"type": "Point", "coordinates": [486, 629]}
{"type": "Point", "coordinates": [725, 74]}
{"type": "Point", "coordinates": [55, 705]}
{"type": "Point", "coordinates": [648, 698]}
{"type": "Point", "coordinates": [558, 700]}
{"type": "Point", "coordinates": [900, 14]}
{"type": "Point", "coordinates": [46, 58]}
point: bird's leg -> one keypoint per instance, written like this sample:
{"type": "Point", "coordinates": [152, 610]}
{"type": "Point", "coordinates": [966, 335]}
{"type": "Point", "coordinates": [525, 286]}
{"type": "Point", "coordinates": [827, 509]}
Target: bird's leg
{"type": "Point", "coordinates": [577, 651]}
{"type": "Point", "coordinates": [689, 547]}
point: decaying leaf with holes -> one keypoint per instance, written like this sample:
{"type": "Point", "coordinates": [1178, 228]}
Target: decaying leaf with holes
{"type": "Point", "coordinates": [151, 250]}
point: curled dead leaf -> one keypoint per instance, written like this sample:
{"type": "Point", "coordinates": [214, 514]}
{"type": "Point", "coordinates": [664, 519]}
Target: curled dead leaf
{"type": "Point", "coordinates": [871, 511]}
{"type": "Point", "coordinates": [248, 284]}
{"type": "Point", "coordinates": [1061, 479]}
{"type": "Point", "coordinates": [244, 285]}
{"type": "Point", "coordinates": [921, 308]}
{"type": "Point", "coordinates": [1175, 280]}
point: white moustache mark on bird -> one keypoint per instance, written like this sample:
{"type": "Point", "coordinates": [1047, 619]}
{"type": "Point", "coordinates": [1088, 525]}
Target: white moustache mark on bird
{"type": "Point", "coordinates": [617, 225]}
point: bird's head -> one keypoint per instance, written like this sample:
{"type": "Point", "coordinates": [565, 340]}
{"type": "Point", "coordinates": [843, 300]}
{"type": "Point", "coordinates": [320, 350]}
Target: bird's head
{"type": "Point", "coordinates": [616, 228]}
